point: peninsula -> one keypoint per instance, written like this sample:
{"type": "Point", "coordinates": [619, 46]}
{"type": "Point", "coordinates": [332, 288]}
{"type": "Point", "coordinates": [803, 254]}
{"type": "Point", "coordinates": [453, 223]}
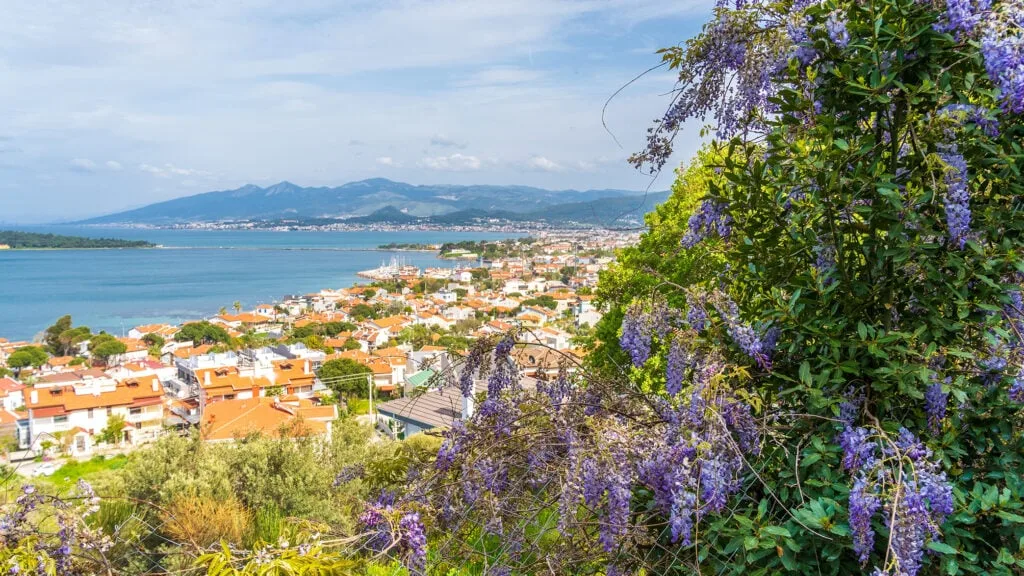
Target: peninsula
{"type": "Point", "coordinates": [13, 240]}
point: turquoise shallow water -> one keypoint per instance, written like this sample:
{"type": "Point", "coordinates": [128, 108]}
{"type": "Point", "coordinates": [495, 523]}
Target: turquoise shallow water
{"type": "Point", "coordinates": [197, 273]}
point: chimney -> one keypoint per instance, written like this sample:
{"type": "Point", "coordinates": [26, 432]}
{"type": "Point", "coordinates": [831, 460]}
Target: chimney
{"type": "Point", "coordinates": [156, 384]}
{"type": "Point", "coordinates": [206, 379]}
{"type": "Point", "coordinates": [468, 407]}
{"type": "Point", "coordinates": [34, 396]}
{"type": "Point", "coordinates": [255, 390]}
{"type": "Point", "coordinates": [305, 367]}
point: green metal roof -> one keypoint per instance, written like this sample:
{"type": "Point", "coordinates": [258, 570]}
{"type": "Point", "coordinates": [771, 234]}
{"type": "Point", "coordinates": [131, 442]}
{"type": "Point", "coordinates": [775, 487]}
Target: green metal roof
{"type": "Point", "coordinates": [421, 378]}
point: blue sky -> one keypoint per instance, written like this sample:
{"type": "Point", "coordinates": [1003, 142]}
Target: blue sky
{"type": "Point", "coordinates": [111, 104]}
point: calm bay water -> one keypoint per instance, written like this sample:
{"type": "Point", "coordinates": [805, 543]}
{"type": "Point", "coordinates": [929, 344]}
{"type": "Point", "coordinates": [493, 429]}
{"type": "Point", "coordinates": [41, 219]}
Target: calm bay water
{"type": "Point", "coordinates": [196, 273]}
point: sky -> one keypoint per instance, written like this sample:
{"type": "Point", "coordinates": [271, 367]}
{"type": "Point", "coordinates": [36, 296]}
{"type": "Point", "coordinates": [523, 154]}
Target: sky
{"type": "Point", "coordinates": [113, 104]}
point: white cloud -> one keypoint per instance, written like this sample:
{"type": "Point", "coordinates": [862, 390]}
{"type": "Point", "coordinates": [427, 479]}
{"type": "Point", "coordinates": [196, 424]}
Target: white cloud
{"type": "Point", "coordinates": [543, 164]}
{"type": "Point", "coordinates": [83, 165]}
{"type": "Point", "coordinates": [387, 161]}
{"type": "Point", "coordinates": [169, 170]}
{"type": "Point", "coordinates": [113, 165]}
{"type": "Point", "coordinates": [453, 163]}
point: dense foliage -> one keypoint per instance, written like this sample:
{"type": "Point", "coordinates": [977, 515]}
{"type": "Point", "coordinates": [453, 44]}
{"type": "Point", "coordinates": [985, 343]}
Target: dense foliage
{"type": "Point", "coordinates": [837, 387]}
{"type": "Point", "coordinates": [202, 333]}
{"type": "Point", "coordinates": [34, 356]}
{"type": "Point", "coordinates": [345, 377]}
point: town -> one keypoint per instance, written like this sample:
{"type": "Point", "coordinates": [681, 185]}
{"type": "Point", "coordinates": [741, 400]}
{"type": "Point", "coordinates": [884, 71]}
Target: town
{"type": "Point", "coordinates": [294, 366]}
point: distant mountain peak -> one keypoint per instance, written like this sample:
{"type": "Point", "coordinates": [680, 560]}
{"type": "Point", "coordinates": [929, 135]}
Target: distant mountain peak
{"type": "Point", "coordinates": [282, 187]}
{"type": "Point", "coordinates": [379, 197]}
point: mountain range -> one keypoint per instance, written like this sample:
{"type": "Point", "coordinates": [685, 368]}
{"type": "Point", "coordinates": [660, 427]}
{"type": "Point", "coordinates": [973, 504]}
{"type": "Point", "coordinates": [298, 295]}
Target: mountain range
{"type": "Point", "coordinates": [380, 200]}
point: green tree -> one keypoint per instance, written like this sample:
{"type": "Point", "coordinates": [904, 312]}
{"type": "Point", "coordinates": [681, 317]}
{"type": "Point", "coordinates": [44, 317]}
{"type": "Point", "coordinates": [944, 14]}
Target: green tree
{"type": "Point", "coordinates": [543, 301]}
{"type": "Point", "coordinates": [52, 334]}
{"type": "Point", "coordinates": [113, 432]}
{"type": "Point", "coordinates": [338, 375]}
{"type": "Point", "coordinates": [332, 329]}
{"type": "Point", "coordinates": [154, 340]}
{"type": "Point", "coordinates": [202, 333]}
{"type": "Point", "coordinates": [26, 356]}
{"type": "Point", "coordinates": [237, 306]}
{"type": "Point", "coordinates": [104, 346]}
{"type": "Point", "coordinates": [71, 338]}
{"type": "Point", "coordinates": [418, 335]}
{"type": "Point", "coordinates": [362, 312]}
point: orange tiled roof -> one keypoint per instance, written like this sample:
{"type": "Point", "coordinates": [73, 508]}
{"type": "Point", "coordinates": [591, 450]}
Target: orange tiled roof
{"type": "Point", "coordinates": [62, 399]}
{"type": "Point", "coordinates": [391, 321]}
{"type": "Point", "coordinates": [293, 373]}
{"type": "Point", "coordinates": [60, 360]}
{"type": "Point", "coordinates": [233, 418]}
{"type": "Point", "coordinates": [228, 380]}
{"type": "Point", "coordinates": [192, 351]}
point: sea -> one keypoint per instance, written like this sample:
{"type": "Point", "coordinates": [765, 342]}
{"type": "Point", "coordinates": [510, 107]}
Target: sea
{"type": "Point", "coordinates": [192, 275]}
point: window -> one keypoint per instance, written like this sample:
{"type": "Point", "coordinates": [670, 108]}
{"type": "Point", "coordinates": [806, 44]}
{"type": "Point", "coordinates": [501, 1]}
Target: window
{"type": "Point", "coordinates": [110, 411]}
{"type": "Point", "coordinates": [90, 413]}
{"type": "Point", "coordinates": [135, 411]}
{"type": "Point", "coordinates": [60, 419]}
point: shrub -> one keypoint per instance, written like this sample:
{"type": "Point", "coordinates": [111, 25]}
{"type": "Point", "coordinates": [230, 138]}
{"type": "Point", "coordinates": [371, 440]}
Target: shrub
{"type": "Point", "coordinates": [204, 522]}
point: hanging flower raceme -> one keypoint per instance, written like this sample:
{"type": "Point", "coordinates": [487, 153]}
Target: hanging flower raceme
{"type": "Point", "coordinates": [957, 198]}
{"type": "Point", "coordinates": [837, 32]}
{"type": "Point", "coordinates": [710, 219]}
{"type": "Point", "coordinates": [636, 334]}
{"type": "Point", "coordinates": [900, 477]}
{"type": "Point", "coordinates": [1002, 47]}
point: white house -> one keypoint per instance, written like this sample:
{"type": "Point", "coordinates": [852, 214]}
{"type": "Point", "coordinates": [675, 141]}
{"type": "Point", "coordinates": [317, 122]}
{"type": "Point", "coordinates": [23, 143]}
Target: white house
{"type": "Point", "coordinates": [446, 295]}
{"type": "Point", "coordinates": [72, 416]}
{"type": "Point", "coordinates": [11, 394]}
{"type": "Point", "coordinates": [516, 286]}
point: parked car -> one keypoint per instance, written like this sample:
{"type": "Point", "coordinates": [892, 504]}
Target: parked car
{"type": "Point", "coordinates": [45, 469]}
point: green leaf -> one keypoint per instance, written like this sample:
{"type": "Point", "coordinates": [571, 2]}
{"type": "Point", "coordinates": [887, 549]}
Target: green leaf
{"type": "Point", "coordinates": [776, 531]}
{"type": "Point", "coordinates": [941, 547]}
{"type": "Point", "coordinates": [1010, 517]}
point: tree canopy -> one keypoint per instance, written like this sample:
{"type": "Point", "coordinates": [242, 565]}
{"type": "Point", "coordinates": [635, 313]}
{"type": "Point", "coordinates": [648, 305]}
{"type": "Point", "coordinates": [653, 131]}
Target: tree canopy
{"type": "Point", "coordinates": [202, 333]}
{"type": "Point", "coordinates": [337, 375]}
{"type": "Point", "coordinates": [26, 356]}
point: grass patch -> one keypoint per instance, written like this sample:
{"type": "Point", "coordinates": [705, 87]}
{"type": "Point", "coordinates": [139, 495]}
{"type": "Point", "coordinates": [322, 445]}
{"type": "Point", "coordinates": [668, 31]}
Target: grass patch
{"type": "Point", "coordinates": [357, 406]}
{"type": "Point", "coordinates": [69, 474]}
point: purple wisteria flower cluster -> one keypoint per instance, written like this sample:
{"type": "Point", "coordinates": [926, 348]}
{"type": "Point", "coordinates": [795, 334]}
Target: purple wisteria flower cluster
{"type": "Point", "coordinates": [580, 445]}
{"type": "Point", "coordinates": [1002, 47]}
{"type": "Point", "coordinates": [638, 333]}
{"type": "Point", "coordinates": [755, 343]}
{"type": "Point", "coordinates": [710, 219]}
{"type": "Point", "coordinates": [958, 196]}
{"type": "Point", "coordinates": [901, 478]}
{"type": "Point", "coordinates": [963, 16]}
{"type": "Point", "coordinates": [984, 119]}
{"type": "Point", "coordinates": [67, 550]}
{"type": "Point", "coordinates": [836, 28]}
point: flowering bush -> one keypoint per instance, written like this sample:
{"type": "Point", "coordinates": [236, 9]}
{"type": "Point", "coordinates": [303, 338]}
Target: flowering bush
{"type": "Point", "coordinates": [44, 534]}
{"type": "Point", "coordinates": [843, 393]}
